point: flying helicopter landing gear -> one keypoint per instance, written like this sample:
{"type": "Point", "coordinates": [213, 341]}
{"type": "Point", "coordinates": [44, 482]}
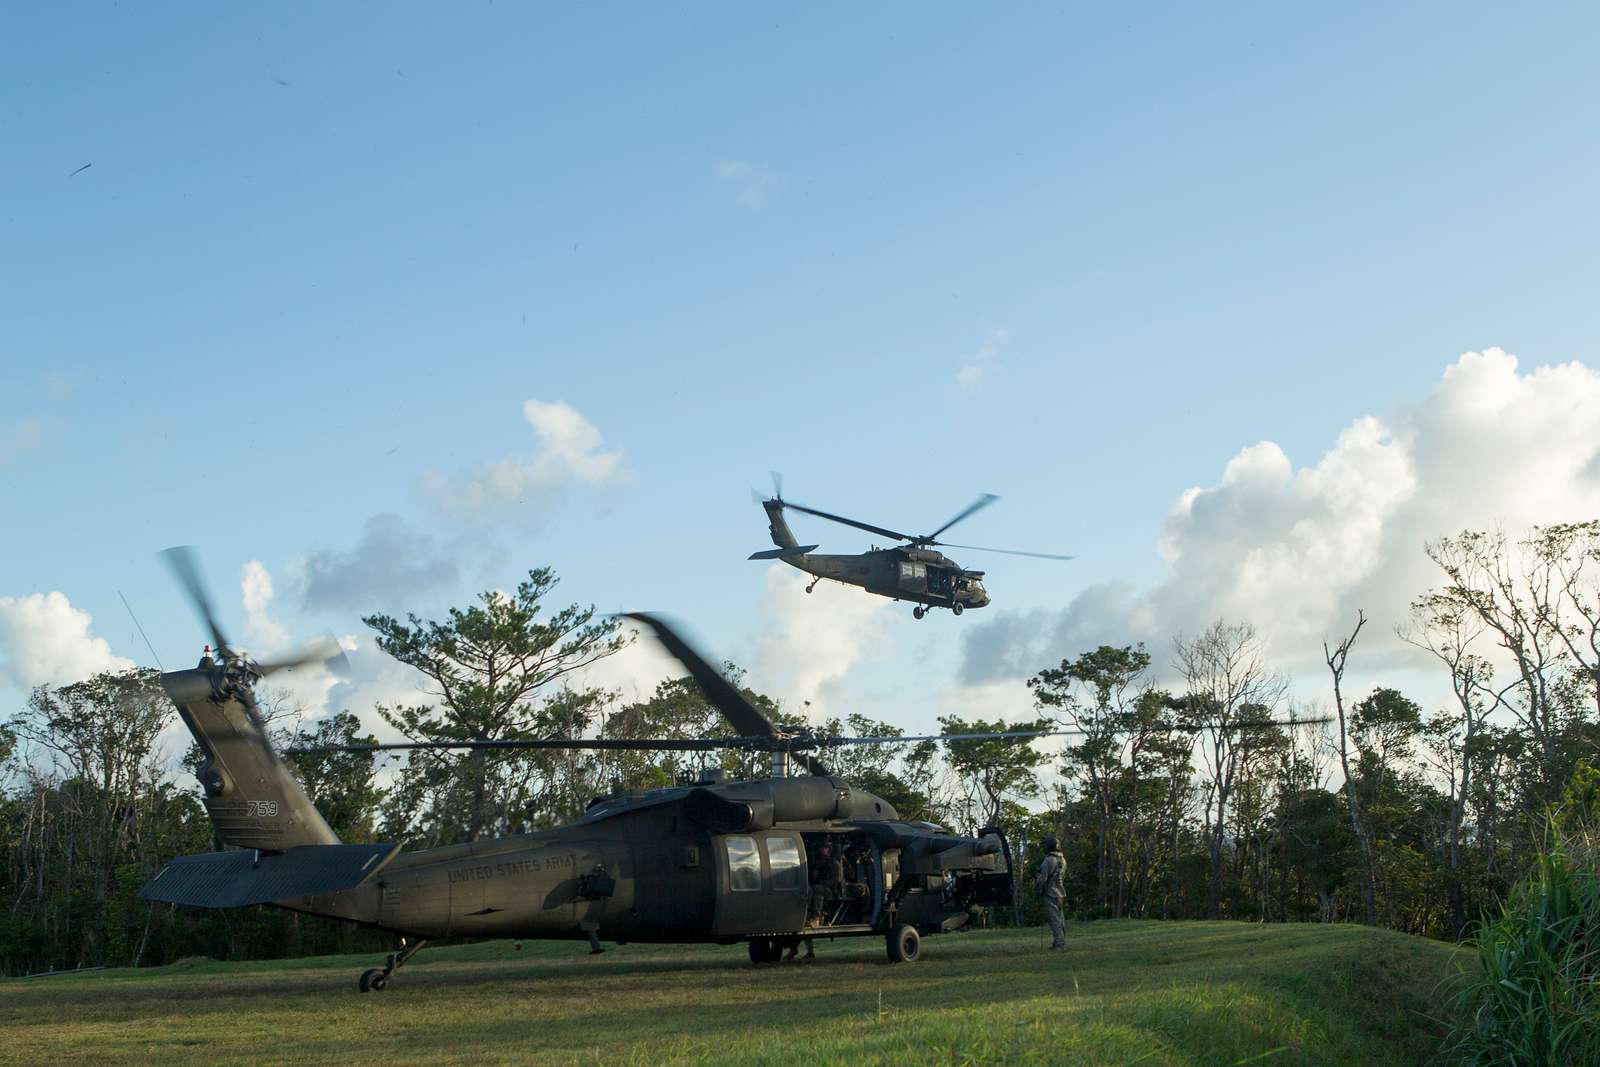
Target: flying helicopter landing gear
{"type": "Point", "coordinates": [956, 608]}
{"type": "Point", "coordinates": [814, 582]}
{"type": "Point", "coordinates": [376, 979]}
{"type": "Point", "coordinates": [918, 612]}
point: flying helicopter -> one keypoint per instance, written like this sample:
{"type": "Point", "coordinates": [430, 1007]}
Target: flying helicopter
{"type": "Point", "coordinates": [706, 861]}
{"type": "Point", "coordinates": [914, 571]}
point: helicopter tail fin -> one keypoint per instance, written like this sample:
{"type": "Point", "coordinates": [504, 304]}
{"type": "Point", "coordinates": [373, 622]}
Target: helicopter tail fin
{"type": "Point", "coordinates": [253, 800]}
{"type": "Point", "coordinates": [778, 526]}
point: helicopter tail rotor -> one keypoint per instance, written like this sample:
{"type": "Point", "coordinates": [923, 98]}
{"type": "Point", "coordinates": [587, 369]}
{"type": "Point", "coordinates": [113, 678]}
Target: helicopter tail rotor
{"type": "Point", "coordinates": [185, 565]}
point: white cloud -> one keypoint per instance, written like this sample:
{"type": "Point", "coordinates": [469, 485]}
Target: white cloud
{"type": "Point", "coordinates": [1298, 551]}
{"type": "Point", "coordinates": [571, 451]}
{"type": "Point", "coordinates": [265, 634]}
{"type": "Point", "coordinates": [44, 640]}
{"type": "Point", "coordinates": [752, 183]}
{"type": "Point", "coordinates": [810, 642]}
{"type": "Point", "coordinates": [22, 437]}
{"type": "Point", "coordinates": [985, 359]}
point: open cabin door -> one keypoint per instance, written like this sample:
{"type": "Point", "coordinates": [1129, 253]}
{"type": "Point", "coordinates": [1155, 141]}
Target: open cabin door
{"type": "Point", "coordinates": [762, 886]}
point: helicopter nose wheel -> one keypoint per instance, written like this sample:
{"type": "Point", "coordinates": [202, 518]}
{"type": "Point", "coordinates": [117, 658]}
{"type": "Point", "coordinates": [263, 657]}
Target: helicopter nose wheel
{"type": "Point", "coordinates": [956, 608]}
{"type": "Point", "coordinates": [918, 612]}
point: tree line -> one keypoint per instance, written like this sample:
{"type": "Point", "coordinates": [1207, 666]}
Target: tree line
{"type": "Point", "coordinates": [1177, 797]}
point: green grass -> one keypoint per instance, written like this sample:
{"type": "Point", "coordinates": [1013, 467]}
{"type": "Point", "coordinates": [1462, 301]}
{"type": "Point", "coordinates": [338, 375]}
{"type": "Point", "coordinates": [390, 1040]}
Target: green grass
{"type": "Point", "coordinates": [1531, 995]}
{"type": "Point", "coordinates": [1124, 992]}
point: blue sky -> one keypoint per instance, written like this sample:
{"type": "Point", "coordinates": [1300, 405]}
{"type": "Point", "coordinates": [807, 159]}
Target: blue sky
{"type": "Point", "coordinates": [323, 255]}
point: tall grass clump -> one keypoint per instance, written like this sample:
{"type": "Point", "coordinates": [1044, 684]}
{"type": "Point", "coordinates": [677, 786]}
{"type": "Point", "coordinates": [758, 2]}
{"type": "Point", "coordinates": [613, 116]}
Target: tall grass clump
{"type": "Point", "coordinates": [1533, 995]}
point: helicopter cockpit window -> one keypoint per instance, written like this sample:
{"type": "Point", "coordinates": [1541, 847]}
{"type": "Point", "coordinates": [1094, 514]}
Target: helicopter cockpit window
{"type": "Point", "coordinates": [744, 864]}
{"type": "Point", "coordinates": [783, 858]}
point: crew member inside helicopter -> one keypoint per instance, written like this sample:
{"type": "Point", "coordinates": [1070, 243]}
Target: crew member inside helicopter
{"type": "Point", "coordinates": [841, 875]}
{"type": "Point", "coordinates": [827, 881]}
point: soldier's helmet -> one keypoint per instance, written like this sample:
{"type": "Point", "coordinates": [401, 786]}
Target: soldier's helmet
{"type": "Point", "coordinates": [1050, 844]}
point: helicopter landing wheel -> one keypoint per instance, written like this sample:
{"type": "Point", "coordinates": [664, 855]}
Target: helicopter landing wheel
{"type": "Point", "coordinates": [765, 950]}
{"type": "Point", "coordinates": [956, 608]}
{"type": "Point", "coordinates": [904, 944]}
{"type": "Point", "coordinates": [918, 612]}
{"type": "Point", "coordinates": [374, 980]}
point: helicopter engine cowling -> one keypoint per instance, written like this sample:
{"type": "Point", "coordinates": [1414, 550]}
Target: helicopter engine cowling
{"type": "Point", "coordinates": [725, 815]}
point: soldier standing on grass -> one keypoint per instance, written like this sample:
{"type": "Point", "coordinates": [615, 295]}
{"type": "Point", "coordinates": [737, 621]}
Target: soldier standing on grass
{"type": "Point", "coordinates": [1051, 889]}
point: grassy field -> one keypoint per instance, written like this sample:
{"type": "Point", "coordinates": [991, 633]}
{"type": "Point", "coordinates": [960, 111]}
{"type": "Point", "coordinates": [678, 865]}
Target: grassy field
{"type": "Point", "coordinates": [1124, 993]}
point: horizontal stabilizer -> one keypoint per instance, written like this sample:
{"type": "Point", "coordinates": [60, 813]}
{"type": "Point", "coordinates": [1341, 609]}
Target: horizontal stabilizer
{"type": "Point", "coordinates": [246, 876]}
{"type": "Point", "coordinates": [783, 553]}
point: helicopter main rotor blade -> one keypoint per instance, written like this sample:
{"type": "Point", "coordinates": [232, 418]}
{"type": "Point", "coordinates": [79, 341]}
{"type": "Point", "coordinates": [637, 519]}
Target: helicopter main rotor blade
{"type": "Point", "coordinates": [1004, 551]}
{"type": "Point", "coordinates": [741, 714]}
{"type": "Point", "coordinates": [763, 743]}
{"type": "Point", "coordinates": [186, 568]}
{"type": "Point", "coordinates": [595, 744]}
{"type": "Point", "coordinates": [1180, 727]}
{"type": "Point", "coordinates": [867, 526]}
{"type": "Point", "coordinates": [325, 651]}
{"type": "Point", "coordinates": [977, 505]}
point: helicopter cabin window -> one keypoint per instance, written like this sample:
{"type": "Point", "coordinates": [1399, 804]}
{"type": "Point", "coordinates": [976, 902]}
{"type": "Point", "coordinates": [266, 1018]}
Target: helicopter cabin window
{"type": "Point", "coordinates": [744, 864]}
{"type": "Point", "coordinates": [909, 571]}
{"type": "Point", "coordinates": [783, 858]}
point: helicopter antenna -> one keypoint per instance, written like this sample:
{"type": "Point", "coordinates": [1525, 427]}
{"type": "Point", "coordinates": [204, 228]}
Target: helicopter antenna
{"type": "Point", "coordinates": [142, 634]}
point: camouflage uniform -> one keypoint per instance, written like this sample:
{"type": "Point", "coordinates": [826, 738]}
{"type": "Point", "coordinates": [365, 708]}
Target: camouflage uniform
{"type": "Point", "coordinates": [827, 884]}
{"type": "Point", "coordinates": [1052, 891]}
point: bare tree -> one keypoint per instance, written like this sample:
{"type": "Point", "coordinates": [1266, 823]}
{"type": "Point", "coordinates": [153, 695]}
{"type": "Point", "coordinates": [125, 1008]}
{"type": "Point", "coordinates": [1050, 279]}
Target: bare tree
{"type": "Point", "coordinates": [94, 776]}
{"type": "Point", "coordinates": [1337, 658]}
{"type": "Point", "coordinates": [1517, 598]}
{"type": "Point", "coordinates": [1568, 602]}
{"type": "Point", "coordinates": [1226, 680]}
{"type": "Point", "coordinates": [1446, 629]}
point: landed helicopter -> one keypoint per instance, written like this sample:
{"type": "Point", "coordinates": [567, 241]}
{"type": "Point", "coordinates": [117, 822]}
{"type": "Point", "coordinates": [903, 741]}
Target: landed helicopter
{"type": "Point", "coordinates": [710, 861]}
{"type": "Point", "coordinates": [914, 571]}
